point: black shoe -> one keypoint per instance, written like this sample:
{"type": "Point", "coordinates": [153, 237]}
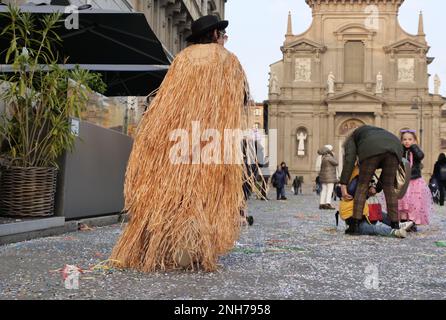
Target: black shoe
{"type": "Point", "coordinates": [395, 225]}
{"type": "Point", "coordinates": [284, 198]}
{"type": "Point", "coordinates": [353, 227]}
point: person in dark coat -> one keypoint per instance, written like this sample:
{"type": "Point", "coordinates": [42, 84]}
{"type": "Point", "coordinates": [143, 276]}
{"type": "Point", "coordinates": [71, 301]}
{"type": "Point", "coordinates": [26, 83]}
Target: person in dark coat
{"type": "Point", "coordinates": [297, 185]}
{"type": "Point", "coordinates": [440, 175]}
{"type": "Point", "coordinates": [374, 148]}
{"type": "Point", "coordinates": [287, 172]}
{"type": "Point", "coordinates": [318, 186]}
{"type": "Point", "coordinates": [279, 180]}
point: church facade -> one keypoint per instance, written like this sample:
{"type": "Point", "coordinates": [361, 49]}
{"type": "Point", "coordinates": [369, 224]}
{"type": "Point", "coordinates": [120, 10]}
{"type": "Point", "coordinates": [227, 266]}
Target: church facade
{"type": "Point", "coordinates": [355, 65]}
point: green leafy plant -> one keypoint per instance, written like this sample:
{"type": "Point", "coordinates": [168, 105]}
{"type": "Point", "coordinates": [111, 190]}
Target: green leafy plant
{"type": "Point", "coordinates": [40, 95]}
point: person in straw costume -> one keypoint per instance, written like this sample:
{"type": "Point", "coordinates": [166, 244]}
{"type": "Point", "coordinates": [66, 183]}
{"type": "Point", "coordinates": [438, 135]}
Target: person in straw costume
{"type": "Point", "coordinates": [185, 215]}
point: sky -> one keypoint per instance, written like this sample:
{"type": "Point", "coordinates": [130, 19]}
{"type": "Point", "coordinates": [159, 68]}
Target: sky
{"type": "Point", "coordinates": [257, 30]}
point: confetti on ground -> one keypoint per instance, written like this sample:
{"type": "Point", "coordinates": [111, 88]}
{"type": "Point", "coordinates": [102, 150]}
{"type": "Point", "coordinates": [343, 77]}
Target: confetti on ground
{"type": "Point", "coordinates": [441, 244]}
{"type": "Point", "coordinates": [280, 257]}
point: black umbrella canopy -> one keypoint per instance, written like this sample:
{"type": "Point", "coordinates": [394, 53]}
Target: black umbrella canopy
{"type": "Point", "coordinates": [104, 37]}
{"type": "Point", "coordinates": [126, 80]}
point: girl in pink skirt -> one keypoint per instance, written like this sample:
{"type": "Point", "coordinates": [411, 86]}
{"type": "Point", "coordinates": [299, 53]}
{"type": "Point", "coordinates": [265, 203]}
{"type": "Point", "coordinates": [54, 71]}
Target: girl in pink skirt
{"type": "Point", "coordinates": [417, 204]}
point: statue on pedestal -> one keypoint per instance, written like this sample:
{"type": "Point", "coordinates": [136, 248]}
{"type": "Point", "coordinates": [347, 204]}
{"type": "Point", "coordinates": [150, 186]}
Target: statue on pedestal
{"type": "Point", "coordinates": [379, 83]}
{"type": "Point", "coordinates": [331, 83]}
{"type": "Point", "coordinates": [437, 84]}
{"type": "Point", "coordinates": [301, 137]}
{"type": "Point", "coordinates": [274, 84]}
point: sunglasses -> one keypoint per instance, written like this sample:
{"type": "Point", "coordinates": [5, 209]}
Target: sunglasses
{"type": "Point", "coordinates": [408, 131]}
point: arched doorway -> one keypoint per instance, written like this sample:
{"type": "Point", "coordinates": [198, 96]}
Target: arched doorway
{"type": "Point", "coordinates": [344, 129]}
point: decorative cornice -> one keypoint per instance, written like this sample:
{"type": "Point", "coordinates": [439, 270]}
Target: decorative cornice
{"type": "Point", "coordinates": [354, 29]}
{"type": "Point", "coordinates": [313, 3]}
{"type": "Point", "coordinates": [353, 96]}
{"type": "Point", "coordinates": [303, 46]}
{"type": "Point", "coordinates": [407, 45]}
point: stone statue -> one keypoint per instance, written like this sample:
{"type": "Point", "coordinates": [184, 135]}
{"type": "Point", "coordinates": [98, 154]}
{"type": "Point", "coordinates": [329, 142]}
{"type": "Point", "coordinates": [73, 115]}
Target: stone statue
{"type": "Point", "coordinates": [331, 83]}
{"type": "Point", "coordinates": [301, 137]}
{"type": "Point", "coordinates": [379, 83]}
{"type": "Point", "coordinates": [437, 84]}
{"type": "Point", "coordinates": [274, 84]}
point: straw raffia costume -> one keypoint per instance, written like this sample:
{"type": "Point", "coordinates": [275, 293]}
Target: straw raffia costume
{"type": "Point", "coordinates": [184, 215]}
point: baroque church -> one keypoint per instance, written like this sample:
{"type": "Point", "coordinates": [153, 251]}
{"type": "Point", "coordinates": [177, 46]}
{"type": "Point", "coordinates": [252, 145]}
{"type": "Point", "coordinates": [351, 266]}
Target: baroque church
{"type": "Point", "coordinates": [355, 65]}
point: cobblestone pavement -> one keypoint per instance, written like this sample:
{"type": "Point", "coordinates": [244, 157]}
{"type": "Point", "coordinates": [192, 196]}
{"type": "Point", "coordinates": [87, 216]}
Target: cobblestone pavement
{"type": "Point", "coordinates": [293, 251]}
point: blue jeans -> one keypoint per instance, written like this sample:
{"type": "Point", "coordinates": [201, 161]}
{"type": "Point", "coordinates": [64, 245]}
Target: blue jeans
{"type": "Point", "coordinates": [378, 229]}
{"type": "Point", "coordinates": [280, 192]}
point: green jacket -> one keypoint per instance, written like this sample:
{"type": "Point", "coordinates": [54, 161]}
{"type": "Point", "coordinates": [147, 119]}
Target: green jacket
{"type": "Point", "coordinates": [367, 142]}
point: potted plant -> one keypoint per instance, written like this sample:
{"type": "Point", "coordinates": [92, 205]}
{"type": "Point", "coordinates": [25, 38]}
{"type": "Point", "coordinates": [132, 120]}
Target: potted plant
{"type": "Point", "coordinates": [39, 101]}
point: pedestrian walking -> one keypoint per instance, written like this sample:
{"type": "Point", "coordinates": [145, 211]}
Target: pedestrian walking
{"type": "Point", "coordinates": [317, 186]}
{"type": "Point", "coordinates": [287, 172]}
{"type": "Point", "coordinates": [440, 176]}
{"type": "Point", "coordinates": [297, 185]}
{"type": "Point", "coordinates": [279, 180]}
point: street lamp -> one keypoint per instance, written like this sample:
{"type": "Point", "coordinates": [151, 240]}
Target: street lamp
{"type": "Point", "coordinates": [417, 104]}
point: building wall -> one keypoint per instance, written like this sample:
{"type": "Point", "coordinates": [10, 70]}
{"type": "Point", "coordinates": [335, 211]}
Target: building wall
{"type": "Point", "coordinates": [170, 19]}
{"type": "Point", "coordinates": [299, 100]}
{"type": "Point", "coordinates": [254, 117]}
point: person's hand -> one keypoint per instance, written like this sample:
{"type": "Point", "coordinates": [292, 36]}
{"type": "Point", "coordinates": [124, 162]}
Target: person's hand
{"type": "Point", "coordinates": [372, 191]}
{"type": "Point", "coordinates": [345, 195]}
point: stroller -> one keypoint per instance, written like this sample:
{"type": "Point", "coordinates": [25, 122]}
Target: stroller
{"type": "Point", "coordinates": [435, 190]}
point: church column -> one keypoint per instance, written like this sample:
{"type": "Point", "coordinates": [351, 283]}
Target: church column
{"type": "Point", "coordinates": [385, 121]}
{"type": "Point", "coordinates": [316, 137]}
{"type": "Point", "coordinates": [340, 65]}
{"type": "Point", "coordinates": [428, 143]}
{"type": "Point", "coordinates": [280, 137]}
{"type": "Point", "coordinates": [288, 151]}
{"type": "Point", "coordinates": [436, 132]}
{"type": "Point", "coordinates": [273, 135]}
{"type": "Point", "coordinates": [378, 119]}
{"type": "Point", "coordinates": [331, 130]}
{"type": "Point", "coordinates": [368, 64]}
{"type": "Point", "coordinates": [391, 122]}
{"type": "Point", "coordinates": [288, 67]}
{"type": "Point", "coordinates": [393, 73]}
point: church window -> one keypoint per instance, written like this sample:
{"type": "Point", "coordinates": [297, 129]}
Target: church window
{"type": "Point", "coordinates": [354, 62]}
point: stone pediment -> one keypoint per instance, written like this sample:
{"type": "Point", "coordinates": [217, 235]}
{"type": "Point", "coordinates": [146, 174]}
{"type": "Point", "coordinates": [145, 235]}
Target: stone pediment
{"type": "Point", "coordinates": [406, 45]}
{"type": "Point", "coordinates": [304, 45]}
{"type": "Point", "coordinates": [354, 96]}
{"type": "Point", "coordinates": [354, 29]}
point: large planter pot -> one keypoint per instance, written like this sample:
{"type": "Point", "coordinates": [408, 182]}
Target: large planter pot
{"type": "Point", "coordinates": [27, 192]}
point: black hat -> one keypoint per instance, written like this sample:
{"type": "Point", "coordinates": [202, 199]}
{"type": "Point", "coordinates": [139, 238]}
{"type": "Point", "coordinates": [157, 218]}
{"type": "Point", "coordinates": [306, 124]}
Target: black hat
{"type": "Point", "coordinates": [205, 24]}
